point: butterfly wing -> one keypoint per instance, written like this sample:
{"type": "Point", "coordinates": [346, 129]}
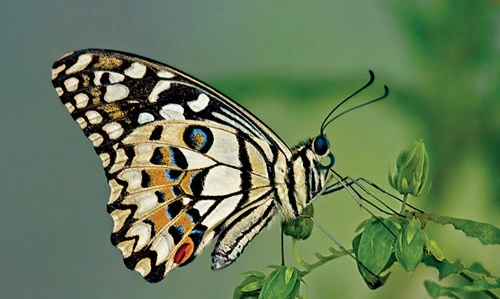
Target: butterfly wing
{"type": "Point", "coordinates": [184, 162]}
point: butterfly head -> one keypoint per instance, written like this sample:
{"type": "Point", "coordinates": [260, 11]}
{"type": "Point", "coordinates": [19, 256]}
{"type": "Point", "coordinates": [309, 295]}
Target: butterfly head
{"type": "Point", "coordinates": [321, 149]}
{"type": "Point", "coordinates": [320, 144]}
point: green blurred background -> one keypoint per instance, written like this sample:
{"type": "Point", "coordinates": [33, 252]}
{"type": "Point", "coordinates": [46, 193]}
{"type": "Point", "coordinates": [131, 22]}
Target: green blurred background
{"type": "Point", "coordinates": [289, 62]}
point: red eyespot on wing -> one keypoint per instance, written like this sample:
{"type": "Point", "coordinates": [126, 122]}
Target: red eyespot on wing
{"type": "Point", "coordinates": [183, 253]}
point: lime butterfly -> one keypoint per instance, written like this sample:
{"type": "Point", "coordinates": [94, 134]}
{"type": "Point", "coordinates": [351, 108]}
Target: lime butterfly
{"type": "Point", "coordinates": [185, 163]}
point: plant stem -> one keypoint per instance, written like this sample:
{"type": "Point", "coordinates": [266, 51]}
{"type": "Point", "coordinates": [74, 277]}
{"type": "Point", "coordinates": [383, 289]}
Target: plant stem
{"type": "Point", "coordinates": [403, 206]}
{"type": "Point", "coordinates": [297, 255]}
{"type": "Point", "coordinates": [323, 259]}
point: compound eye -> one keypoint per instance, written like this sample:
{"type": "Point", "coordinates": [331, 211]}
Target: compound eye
{"type": "Point", "coordinates": [321, 145]}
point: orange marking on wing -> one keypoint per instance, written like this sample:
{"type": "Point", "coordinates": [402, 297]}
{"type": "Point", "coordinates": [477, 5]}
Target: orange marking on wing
{"type": "Point", "coordinates": [185, 222]}
{"type": "Point", "coordinates": [160, 218]}
{"type": "Point", "coordinates": [198, 140]}
{"type": "Point", "coordinates": [169, 195]}
{"type": "Point", "coordinates": [186, 182]}
{"type": "Point", "coordinates": [166, 158]}
{"type": "Point", "coordinates": [158, 178]}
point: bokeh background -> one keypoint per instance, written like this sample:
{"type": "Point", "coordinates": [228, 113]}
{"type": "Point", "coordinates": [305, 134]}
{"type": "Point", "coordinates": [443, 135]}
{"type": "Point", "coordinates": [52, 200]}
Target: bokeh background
{"type": "Point", "coordinates": [289, 62]}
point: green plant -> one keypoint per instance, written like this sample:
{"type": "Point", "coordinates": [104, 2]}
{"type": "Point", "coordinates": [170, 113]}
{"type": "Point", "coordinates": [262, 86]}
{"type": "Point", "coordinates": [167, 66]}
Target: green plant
{"type": "Point", "coordinates": [382, 242]}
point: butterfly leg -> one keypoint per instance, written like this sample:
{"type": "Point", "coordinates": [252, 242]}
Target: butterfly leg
{"type": "Point", "coordinates": [350, 183]}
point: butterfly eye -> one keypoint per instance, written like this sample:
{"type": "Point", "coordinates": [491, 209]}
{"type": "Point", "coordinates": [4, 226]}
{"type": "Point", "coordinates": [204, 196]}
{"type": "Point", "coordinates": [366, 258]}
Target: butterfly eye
{"type": "Point", "coordinates": [321, 145]}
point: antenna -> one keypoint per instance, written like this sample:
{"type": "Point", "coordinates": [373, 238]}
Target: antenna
{"type": "Point", "coordinates": [327, 121]}
{"type": "Point", "coordinates": [372, 78]}
{"type": "Point", "coordinates": [386, 93]}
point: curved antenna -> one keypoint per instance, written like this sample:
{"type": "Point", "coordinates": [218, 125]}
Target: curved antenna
{"type": "Point", "coordinates": [323, 125]}
{"type": "Point", "coordinates": [386, 93]}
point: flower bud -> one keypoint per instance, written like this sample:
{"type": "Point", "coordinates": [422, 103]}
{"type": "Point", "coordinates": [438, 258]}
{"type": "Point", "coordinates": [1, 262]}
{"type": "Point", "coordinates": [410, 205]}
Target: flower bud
{"type": "Point", "coordinates": [410, 247]}
{"type": "Point", "coordinates": [301, 227]}
{"type": "Point", "coordinates": [412, 170]}
{"type": "Point", "coordinates": [435, 250]}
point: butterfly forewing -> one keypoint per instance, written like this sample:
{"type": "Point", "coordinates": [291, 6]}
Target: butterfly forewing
{"type": "Point", "coordinates": [184, 162]}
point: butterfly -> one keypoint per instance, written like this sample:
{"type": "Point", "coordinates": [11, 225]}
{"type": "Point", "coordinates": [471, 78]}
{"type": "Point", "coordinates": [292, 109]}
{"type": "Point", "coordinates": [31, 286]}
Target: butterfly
{"type": "Point", "coordinates": [185, 164]}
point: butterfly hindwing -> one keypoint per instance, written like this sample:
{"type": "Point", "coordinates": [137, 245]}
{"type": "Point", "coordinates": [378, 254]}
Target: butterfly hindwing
{"type": "Point", "coordinates": [184, 162]}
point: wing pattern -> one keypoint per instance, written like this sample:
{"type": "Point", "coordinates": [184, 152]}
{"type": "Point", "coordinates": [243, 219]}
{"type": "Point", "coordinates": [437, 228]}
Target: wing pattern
{"type": "Point", "coordinates": [185, 164]}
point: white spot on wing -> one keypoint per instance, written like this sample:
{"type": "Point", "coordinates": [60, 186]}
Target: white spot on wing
{"type": "Point", "coordinates": [160, 86]}
{"type": "Point", "coordinates": [115, 77]}
{"type": "Point", "coordinates": [97, 78]}
{"type": "Point", "coordinates": [202, 161]}
{"type": "Point", "coordinates": [172, 111]}
{"type": "Point", "coordinates": [113, 129]}
{"type": "Point", "coordinates": [71, 84]}
{"type": "Point", "coordinates": [200, 103]}
{"type": "Point", "coordinates": [203, 205]}
{"type": "Point", "coordinates": [70, 107]}
{"type": "Point", "coordinates": [143, 231]}
{"type": "Point", "coordinates": [165, 74]}
{"type": "Point", "coordinates": [143, 266]}
{"type": "Point", "coordinates": [136, 70]}
{"type": "Point", "coordinates": [116, 190]}
{"type": "Point", "coordinates": [81, 100]}
{"type": "Point", "coordinates": [59, 91]}
{"type": "Point", "coordinates": [96, 139]}
{"type": "Point", "coordinates": [81, 63]}
{"type": "Point", "coordinates": [116, 92]}
{"type": "Point", "coordinates": [145, 117]}
{"type": "Point", "coordinates": [162, 249]}
{"type": "Point", "coordinates": [105, 158]}
{"type": "Point", "coordinates": [144, 151]}
{"type": "Point", "coordinates": [57, 70]}
{"type": "Point", "coordinates": [221, 178]}
{"type": "Point", "coordinates": [225, 148]}
{"type": "Point", "coordinates": [126, 247]}
{"type": "Point", "coordinates": [119, 217]}
{"type": "Point", "coordinates": [120, 160]}
{"type": "Point", "coordinates": [94, 117]}
{"type": "Point", "coordinates": [146, 202]}
{"type": "Point", "coordinates": [81, 122]}
{"type": "Point", "coordinates": [133, 177]}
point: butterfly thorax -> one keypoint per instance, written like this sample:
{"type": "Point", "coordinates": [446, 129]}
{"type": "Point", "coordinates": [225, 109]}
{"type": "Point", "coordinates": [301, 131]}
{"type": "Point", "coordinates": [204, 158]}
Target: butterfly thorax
{"type": "Point", "coordinates": [305, 178]}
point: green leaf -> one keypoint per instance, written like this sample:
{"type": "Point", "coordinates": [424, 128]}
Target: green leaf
{"type": "Point", "coordinates": [480, 278]}
{"type": "Point", "coordinates": [479, 269]}
{"type": "Point", "coordinates": [376, 245]}
{"type": "Point", "coordinates": [410, 247]}
{"type": "Point", "coordinates": [435, 290]}
{"type": "Point", "coordinates": [283, 282]}
{"type": "Point", "coordinates": [251, 285]}
{"type": "Point", "coordinates": [372, 281]}
{"type": "Point", "coordinates": [484, 232]}
{"type": "Point", "coordinates": [254, 273]}
{"type": "Point", "coordinates": [289, 274]}
{"type": "Point", "coordinates": [444, 267]}
{"type": "Point", "coordinates": [363, 224]}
